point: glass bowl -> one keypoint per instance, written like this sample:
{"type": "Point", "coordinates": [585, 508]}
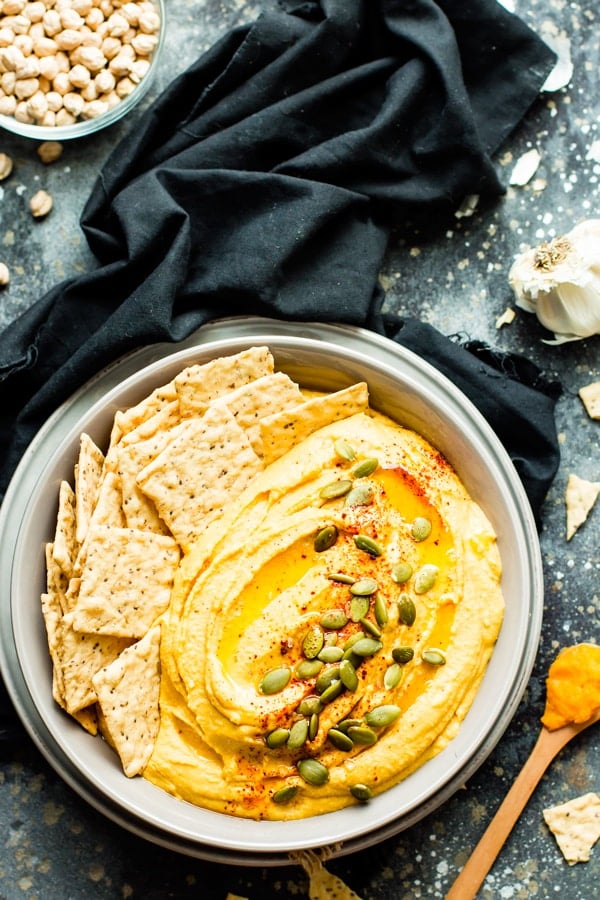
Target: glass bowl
{"type": "Point", "coordinates": [85, 127]}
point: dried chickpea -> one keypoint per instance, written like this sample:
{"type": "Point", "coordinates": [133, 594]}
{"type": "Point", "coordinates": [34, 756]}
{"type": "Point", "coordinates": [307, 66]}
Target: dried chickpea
{"type": "Point", "coordinates": [40, 204]}
{"type": "Point", "coordinates": [6, 166]}
{"type": "Point", "coordinates": [8, 106]}
{"type": "Point", "coordinates": [13, 7]}
{"type": "Point", "coordinates": [49, 151]}
{"type": "Point", "coordinates": [56, 49]}
{"type": "Point", "coordinates": [4, 274]}
{"type": "Point", "coordinates": [26, 88]}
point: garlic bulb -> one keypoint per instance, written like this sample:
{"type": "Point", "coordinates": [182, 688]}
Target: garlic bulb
{"type": "Point", "coordinates": [559, 281]}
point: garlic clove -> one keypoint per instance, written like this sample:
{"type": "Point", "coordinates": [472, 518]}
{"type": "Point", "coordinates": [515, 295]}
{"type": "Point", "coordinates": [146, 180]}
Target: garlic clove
{"type": "Point", "coordinates": [559, 281]}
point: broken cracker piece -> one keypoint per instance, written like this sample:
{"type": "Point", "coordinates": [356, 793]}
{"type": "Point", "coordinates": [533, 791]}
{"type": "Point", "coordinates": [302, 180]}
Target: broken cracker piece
{"type": "Point", "coordinates": [590, 397]}
{"type": "Point", "coordinates": [580, 497]}
{"type": "Point", "coordinates": [576, 826]}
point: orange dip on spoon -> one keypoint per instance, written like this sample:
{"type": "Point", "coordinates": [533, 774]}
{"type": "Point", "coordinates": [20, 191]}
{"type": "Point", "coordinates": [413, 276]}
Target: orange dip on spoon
{"type": "Point", "coordinates": [573, 686]}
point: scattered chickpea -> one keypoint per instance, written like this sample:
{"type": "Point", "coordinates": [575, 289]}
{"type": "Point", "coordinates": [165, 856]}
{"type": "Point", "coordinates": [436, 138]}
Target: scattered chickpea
{"type": "Point", "coordinates": [49, 151]}
{"type": "Point", "coordinates": [40, 204]}
{"type": "Point", "coordinates": [4, 275]}
{"type": "Point", "coordinates": [6, 166]}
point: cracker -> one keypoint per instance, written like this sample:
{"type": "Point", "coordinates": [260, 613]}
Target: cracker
{"type": "Point", "coordinates": [198, 385]}
{"type": "Point", "coordinates": [590, 397]}
{"type": "Point", "coordinates": [126, 420]}
{"type": "Point", "coordinates": [126, 581]}
{"type": "Point", "coordinates": [88, 472]}
{"type": "Point", "coordinates": [128, 691]}
{"type": "Point", "coordinates": [57, 582]}
{"type": "Point", "coordinates": [580, 497]}
{"type": "Point", "coordinates": [200, 472]}
{"type": "Point", "coordinates": [138, 509]}
{"type": "Point", "coordinates": [80, 656]}
{"type": "Point", "coordinates": [576, 826]}
{"type": "Point", "coordinates": [261, 397]}
{"type": "Point", "coordinates": [65, 544]}
{"type": "Point", "coordinates": [282, 430]}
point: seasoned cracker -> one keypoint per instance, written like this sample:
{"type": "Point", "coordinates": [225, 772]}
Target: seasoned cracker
{"type": "Point", "coordinates": [198, 385]}
{"type": "Point", "coordinates": [262, 397]}
{"type": "Point", "coordinates": [126, 581]}
{"type": "Point", "coordinates": [282, 430]}
{"type": "Point", "coordinates": [65, 544]}
{"type": "Point", "coordinates": [203, 469]}
{"type": "Point", "coordinates": [88, 472]}
{"type": "Point", "coordinates": [128, 691]}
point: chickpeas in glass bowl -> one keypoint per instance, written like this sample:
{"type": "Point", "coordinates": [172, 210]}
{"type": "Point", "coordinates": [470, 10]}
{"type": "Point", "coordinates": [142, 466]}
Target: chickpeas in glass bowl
{"type": "Point", "coordinates": [69, 68]}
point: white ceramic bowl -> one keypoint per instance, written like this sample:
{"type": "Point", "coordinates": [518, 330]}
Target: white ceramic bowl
{"type": "Point", "coordinates": [317, 356]}
{"type": "Point", "coordinates": [85, 127]}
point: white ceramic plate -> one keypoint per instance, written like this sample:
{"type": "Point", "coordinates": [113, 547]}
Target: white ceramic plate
{"type": "Point", "coordinates": [318, 356]}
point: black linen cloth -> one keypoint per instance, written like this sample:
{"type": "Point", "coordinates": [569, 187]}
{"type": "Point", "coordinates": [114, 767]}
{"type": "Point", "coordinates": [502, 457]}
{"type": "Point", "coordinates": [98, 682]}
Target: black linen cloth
{"type": "Point", "coordinates": [266, 180]}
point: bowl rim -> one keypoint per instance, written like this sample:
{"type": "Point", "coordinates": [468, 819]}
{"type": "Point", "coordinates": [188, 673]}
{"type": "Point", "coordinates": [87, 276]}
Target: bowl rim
{"type": "Point", "coordinates": [48, 731]}
{"type": "Point", "coordinates": [86, 127]}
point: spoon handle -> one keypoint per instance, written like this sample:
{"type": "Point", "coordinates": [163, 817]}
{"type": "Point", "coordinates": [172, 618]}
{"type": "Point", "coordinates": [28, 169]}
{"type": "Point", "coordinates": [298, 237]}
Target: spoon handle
{"type": "Point", "coordinates": [548, 744]}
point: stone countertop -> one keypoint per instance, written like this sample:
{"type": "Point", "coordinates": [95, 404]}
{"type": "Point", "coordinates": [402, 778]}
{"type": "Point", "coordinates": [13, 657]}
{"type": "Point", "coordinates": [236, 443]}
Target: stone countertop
{"type": "Point", "coordinates": [53, 845]}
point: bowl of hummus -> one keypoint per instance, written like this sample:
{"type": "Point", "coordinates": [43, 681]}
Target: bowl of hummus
{"type": "Point", "coordinates": [287, 591]}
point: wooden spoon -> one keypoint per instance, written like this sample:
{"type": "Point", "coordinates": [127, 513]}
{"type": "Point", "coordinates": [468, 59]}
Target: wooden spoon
{"type": "Point", "coordinates": [547, 746]}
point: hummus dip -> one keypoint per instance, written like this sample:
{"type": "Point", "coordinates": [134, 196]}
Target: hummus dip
{"type": "Point", "coordinates": [327, 634]}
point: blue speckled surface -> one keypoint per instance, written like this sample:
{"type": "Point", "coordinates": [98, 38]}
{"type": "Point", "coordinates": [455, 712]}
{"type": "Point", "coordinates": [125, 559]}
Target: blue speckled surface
{"type": "Point", "coordinates": [55, 847]}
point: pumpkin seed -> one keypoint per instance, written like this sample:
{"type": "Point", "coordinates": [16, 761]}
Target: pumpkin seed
{"type": "Point", "coordinates": [366, 543]}
{"type": "Point", "coordinates": [380, 610]}
{"type": "Point", "coordinates": [364, 587]}
{"type": "Point", "coordinates": [361, 792]}
{"type": "Point", "coordinates": [367, 647]}
{"type": "Point", "coordinates": [425, 578]}
{"type": "Point", "coordinates": [298, 734]}
{"type": "Point", "coordinates": [335, 489]}
{"type": "Point", "coordinates": [308, 668]}
{"type": "Point", "coordinates": [334, 619]}
{"type": "Point", "coordinates": [360, 495]}
{"type": "Point", "coordinates": [407, 611]}
{"type": "Point", "coordinates": [331, 654]}
{"type": "Point", "coordinates": [382, 716]}
{"type": "Point", "coordinates": [345, 724]}
{"type": "Point", "coordinates": [275, 680]}
{"type": "Point", "coordinates": [402, 655]}
{"type": "Point", "coordinates": [344, 450]}
{"type": "Point", "coordinates": [421, 528]}
{"type": "Point", "coordinates": [313, 726]}
{"type": "Point", "coordinates": [285, 794]}
{"type": "Point", "coordinates": [324, 679]}
{"type": "Point", "coordinates": [371, 627]}
{"type": "Point", "coordinates": [402, 572]}
{"type": "Point", "coordinates": [348, 675]}
{"type": "Point", "coordinates": [360, 734]}
{"type": "Point", "coordinates": [365, 467]}
{"type": "Point", "coordinates": [309, 705]}
{"type": "Point", "coordinates": [332, 691]}
{"type": "Point", "coordinates": [340, 740]}
{"type": "Point", "coordinates": [341, 577]}
{"type": "Point", "coordinates": [277, 738]}
{"type": "Point", "coordinates": [433, 656]}
{"type": "Point", "coordinates": [393, 676]}
{"type": "Point", "coordinates": [357, 636]}
{"type": "Point", "coordinates": [359, 607]}
{"type": "Point", "coordinates": [312, 771]}
{"type": "Point", "coordinates": [313, 641]}
{"type": "Point", "coordinates": [325, 538]}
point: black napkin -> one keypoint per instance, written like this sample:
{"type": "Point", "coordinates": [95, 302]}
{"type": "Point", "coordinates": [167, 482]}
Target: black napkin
{"type": "Point", "coordinates": [266, 180]}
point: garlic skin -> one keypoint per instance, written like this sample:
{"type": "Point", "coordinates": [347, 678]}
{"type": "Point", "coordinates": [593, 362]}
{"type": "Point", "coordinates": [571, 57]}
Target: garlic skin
{"type": "Point", "coordinates": [559, 281]}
